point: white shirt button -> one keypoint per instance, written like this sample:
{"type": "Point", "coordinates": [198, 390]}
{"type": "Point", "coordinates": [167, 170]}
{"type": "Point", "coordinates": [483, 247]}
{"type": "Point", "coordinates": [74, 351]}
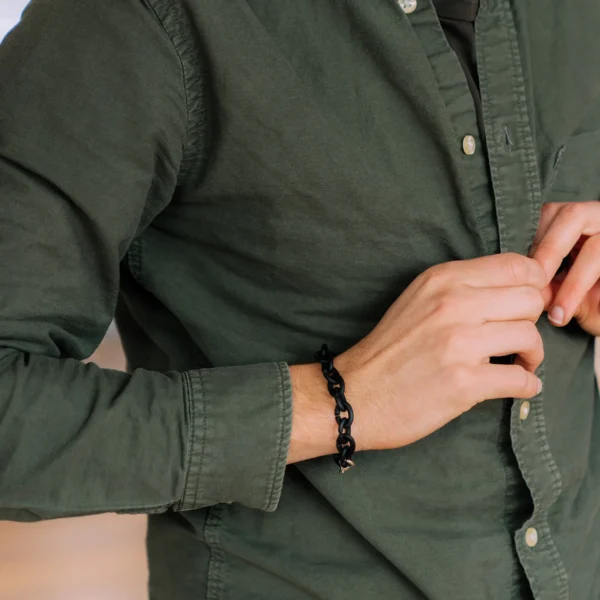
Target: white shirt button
{"type": "Point", "coordinates": [469, 145]}
{"type": "Point", "coordinates": [531, 537]}
{"type": "Point", "coordinates": [408, 6]}
{"type": "Point", "coordinates": [525, 409]}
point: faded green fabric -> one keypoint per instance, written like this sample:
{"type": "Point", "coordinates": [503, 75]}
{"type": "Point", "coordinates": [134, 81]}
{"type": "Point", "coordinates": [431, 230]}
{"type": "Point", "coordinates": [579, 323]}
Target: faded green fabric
{"type": "Point", "coordinates": [239, 182]}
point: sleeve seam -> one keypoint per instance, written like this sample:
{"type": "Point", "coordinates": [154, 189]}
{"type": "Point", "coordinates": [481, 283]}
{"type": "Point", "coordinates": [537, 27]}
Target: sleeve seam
{"type": "Point", "coordinates": [167, 14]}
{"type": "Point", "coordinates": [277, 477]}
{"type": "Point", "coordinates": [204, 435]}
{"type": "Point", "coordinates": [191, 414]}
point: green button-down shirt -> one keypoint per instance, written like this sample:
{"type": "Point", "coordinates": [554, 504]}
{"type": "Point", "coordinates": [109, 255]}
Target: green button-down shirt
{"type": "Point", "coordinates": [239, 182]}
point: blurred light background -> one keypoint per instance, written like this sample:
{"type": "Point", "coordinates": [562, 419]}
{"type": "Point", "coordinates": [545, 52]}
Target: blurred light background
{"type": "Point", "coordinates": [9, 14]}
{"type": "Point", "coordinates": [90, 558]}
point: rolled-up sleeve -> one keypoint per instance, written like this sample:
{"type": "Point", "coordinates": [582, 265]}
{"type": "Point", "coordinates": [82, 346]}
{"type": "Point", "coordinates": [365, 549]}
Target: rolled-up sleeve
{"type": "Point", "coordinates": [242, 446]}
{"type": "Point", "coordinates": [94, 123]}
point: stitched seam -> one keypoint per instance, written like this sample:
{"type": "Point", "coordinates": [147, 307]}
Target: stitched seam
{"type": "Point", "coordinates": [540, 428]}
{"type": "Point", "coordinates": [214, 580]}
{"type": "Point", "coordinates": [531, 576]}
{"type": "Point", "coordinates": [282, 430]}
{"type": "Point", "coordinates": [190, 409]}
{"type": "Point", "coordinates": [139, 509]}
{"type": "Point", "coordinates": [184, 167]}
{"type": "Point", "coordinates": [41, 511]}
{"type": "Point", "coordinates": [535, 197]}
{"type": "Point", "coordinates": [525, 129]}
{"type": "Point", "coordinates": [150, 5]}
{"type": "Point", "coordinates": [434, 70]}
{"type": "Point", "coordinates": [134, 259]}
{"type": "Point", "coordinates": [508, 522]}
{"type": "Point", "coordinates": [193, 150]}
{"type": "Point", "coordinates": [142, 278]}
{"type": "Point", "coordinates": [494, 171]}
{"type": "Point", "coordinates": [204, 435]}
{"type": "Point", "coordinates": [214, 583]}
{"type": "Point", "coordinates": [539, 517]}
{"type": "Point", "coordinates": [527, 474]}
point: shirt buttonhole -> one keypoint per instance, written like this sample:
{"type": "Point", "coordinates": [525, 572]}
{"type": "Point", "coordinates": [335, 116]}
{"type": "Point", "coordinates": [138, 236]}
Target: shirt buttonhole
{"type": "Point", "coordinates": [507, 139]}
{"type": "Point", "coordinates": [558, 157]}
{"type": "Point", "coordinates": [555, 165]}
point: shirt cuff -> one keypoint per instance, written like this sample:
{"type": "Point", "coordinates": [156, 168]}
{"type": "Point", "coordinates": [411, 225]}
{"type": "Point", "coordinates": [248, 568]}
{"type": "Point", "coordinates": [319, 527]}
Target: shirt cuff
{"type": "Point", "coordinates": [240, 425]}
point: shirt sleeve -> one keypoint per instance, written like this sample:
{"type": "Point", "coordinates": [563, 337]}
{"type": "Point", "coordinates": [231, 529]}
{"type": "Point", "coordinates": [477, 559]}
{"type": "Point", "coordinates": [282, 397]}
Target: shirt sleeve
{"type": "Point", "coordinates": [94, 122]}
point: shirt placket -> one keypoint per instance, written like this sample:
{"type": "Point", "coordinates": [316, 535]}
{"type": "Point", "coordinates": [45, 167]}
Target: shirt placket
{"type": "Point", "coordinates": [508, 160]}
{"type": "Point", "coordinates": [467, 146]}
{"type": "Point", "coordinates": [517, 195]}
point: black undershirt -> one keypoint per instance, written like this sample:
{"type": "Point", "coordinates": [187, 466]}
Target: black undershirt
{"type": "Point", "coordinates": [457, 18]}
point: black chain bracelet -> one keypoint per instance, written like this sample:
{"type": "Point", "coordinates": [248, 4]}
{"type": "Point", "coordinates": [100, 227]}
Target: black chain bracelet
{"type": "Point", "coordinates": [335, 384]}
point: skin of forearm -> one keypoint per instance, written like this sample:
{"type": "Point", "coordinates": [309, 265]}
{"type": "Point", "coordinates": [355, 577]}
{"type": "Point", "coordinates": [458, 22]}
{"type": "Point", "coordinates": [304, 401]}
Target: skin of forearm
{"type": "Point", "coordinates": [313, 420]}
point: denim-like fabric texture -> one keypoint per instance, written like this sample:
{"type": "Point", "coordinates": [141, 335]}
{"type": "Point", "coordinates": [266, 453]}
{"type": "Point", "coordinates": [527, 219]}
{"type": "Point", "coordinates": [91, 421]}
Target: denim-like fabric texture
{"type": "Point", "coordinates": [239, 182]}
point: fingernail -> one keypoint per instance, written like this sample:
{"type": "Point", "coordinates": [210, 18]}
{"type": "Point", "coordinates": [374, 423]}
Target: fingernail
{"type": "Point", "coordinates": [557, 315]}
{"type": "Point", "coordinates": [540, 385]}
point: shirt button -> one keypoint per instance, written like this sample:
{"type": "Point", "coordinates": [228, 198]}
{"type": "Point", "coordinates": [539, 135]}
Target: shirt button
{"type": "Point", "coordinates": [525, 408]}
{"type": "Point", "coordinates": [469, 145]}
{"type": "Point", "coordinates": [531, 537]}
{"type": "Point", "coordinates": [408, 6]}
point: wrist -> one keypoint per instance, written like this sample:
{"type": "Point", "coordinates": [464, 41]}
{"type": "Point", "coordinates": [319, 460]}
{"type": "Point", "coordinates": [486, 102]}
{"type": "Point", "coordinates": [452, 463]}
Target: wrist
{"type": "Point", "coordinates": [347, 368]}
{"type": "Point", "coordinates": [313, 421]}
{"type": "Point", "coordinates": [314, 428]}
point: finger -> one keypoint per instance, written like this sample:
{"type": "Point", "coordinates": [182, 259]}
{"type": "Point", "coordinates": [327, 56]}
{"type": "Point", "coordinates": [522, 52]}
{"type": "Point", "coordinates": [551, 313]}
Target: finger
{"type": "Point", "coordinates": [549, 212]}
{"type": "Point", "coordinates": [503, 304]}
{"type": "Point", "coordinates": [571, 222]}
{"type": "Point", "coordinates": [549, 293]}
{"type": "Point", "coordinates": [508, 269]}
{"type": "Point", "coordinates": [505, 381]}
{"type": "Point", "coordinates": [514, 337]}
{"type": "Point", "coordinates": [580, 279]}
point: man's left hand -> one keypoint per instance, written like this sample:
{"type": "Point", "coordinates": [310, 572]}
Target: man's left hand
{"type": "Point", "coordinates": [567, 245]}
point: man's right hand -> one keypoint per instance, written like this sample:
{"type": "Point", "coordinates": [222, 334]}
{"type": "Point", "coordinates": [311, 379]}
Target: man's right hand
{"type": "Point", "coordinates": [428, 360]}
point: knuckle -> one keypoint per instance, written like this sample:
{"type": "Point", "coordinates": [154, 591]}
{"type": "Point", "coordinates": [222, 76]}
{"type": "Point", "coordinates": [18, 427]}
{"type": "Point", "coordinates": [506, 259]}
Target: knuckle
{"type": "Point", "coordinates": [436, 276]}
{"type": "Point", "coordinates": [517, 265]}
{"type": "Point", "coordinates": [572, 290]}
{"type": "Point", "coordinates": [531, 335]}
{"type": "Point", "coordinates": [531, 340]}
{"type": "Point", "coordinates": [572, 210]}
{"type": "Point", "coordinates": [454, 345]}
{"type": "Point", "coordinates": [524, 382]}
{"type": "Point", "coordinates": [534, 299]}
{"type": "Point", "coordinates": [539, 342]}
{"type": "Point", "coordinates": [461, 378]}
{"type": "Point", "coordinates": [447, 304]}
{"type": "Point", "coordinates": [594, 244]}
{"type": "Point", "coordinates": [548, 247]}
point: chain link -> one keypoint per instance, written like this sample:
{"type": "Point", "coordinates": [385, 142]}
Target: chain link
{"type": "Point", "coordinates": [345, 443]}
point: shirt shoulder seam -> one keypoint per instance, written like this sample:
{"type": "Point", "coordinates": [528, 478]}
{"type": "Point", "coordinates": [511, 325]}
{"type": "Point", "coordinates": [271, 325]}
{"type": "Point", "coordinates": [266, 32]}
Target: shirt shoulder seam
{"type": "Point", "coordinates": [170, 15]}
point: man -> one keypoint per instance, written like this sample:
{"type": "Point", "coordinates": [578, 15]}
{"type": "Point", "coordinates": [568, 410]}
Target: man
{"type": "Point", "coordinates": [241, 182]}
